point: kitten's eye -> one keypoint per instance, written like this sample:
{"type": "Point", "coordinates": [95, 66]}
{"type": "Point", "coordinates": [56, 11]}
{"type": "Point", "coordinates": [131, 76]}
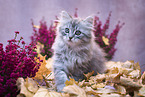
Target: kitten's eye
{"type": "Point", "coordinates": [66, 30]}
{"type": "Point", "coordinates": [78, 32]}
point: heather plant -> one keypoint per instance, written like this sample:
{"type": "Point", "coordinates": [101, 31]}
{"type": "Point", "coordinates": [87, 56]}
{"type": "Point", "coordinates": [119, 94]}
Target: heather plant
{"type": "Point", "coordinates": [45, 36]}
{"type": "Point", "coordinates": [15, 62]}
{"type": "Point", "coordinates": [100, 31]}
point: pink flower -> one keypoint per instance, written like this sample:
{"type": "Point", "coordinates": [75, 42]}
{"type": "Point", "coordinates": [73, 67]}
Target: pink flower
{"type": "Point", "coordinates": [17, 32]}
{"type": "Point", "coordinates": [15, 62]}
{"type": "Point", "coordinates": [23, 42]}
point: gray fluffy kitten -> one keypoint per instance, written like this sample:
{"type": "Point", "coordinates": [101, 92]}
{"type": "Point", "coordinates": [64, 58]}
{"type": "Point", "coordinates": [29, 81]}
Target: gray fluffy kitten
{"type": "Point", "coordinates": [75, 51]}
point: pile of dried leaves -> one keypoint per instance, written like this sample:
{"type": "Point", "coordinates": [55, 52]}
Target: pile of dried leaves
{"type": "Point", "coordinates": [121, 79]}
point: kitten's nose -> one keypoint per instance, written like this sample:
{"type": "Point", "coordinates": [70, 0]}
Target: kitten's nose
{"type": "Point", "coordinates": [70, 38]}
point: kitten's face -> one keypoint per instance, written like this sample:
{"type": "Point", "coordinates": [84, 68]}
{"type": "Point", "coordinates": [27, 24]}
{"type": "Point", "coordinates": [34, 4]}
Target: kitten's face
{"type": "Point", "coordinates": [75, 31]}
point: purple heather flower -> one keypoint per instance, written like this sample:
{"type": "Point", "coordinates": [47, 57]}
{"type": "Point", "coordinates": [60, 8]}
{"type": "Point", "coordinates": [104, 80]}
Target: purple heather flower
{"type": "Point", "coordinates": [17, 32]}
{"type": "Point", "coordinates": [23, 42]}
{"type": "Point", "coordinates": [45, 36]}
{"type": "Point", "coordinates": [15, 62]}
{"type": "Point", "coordinates": [99, 32]}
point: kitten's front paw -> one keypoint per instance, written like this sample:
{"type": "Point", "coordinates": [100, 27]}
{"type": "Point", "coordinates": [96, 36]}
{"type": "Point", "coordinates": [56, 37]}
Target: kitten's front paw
{"type": "Point", "coordinates": [60, 87]}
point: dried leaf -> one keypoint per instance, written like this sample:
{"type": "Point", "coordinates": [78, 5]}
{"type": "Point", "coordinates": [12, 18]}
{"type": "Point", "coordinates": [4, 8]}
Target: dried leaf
{"type": "Point", "coordinates": [49, 64]}
{"type": "Point", "coordinates": [91, 82]}
{"type": "Point", "coordinates": [142, 79]}
{"type": "Point", "coordinates": [120, 89]}
{"type": "Point", "coordinates": [90, 91]}
{"type": "Point", "coordinates": [39, 47]}
{"type": "Point", "coordinates": [129, 83]}
{"type": "Point", "coordinates": [98, 78]}
{"type": "Point", "coordinates": [21, 95]}
{"type": "Point", "coordinates": [136, 66]}
{"type": "Point", "coordinates": [83, 83]}
{"type": "Point", "coordinates": [98, 85]}
{"type": "Point", "coordinates": [42, 92]}
{"type": "Point", "coordinates": [142, 91]}
{"type": "Point", "coordinates": [36, 26]}
{"type": "Point", "coordinates": [105, 40]}
{"type": "Point", "coordinates": [113, 77]}
{"type": "Point", "coordinates": [114, 70]}
{"type": "Point", "coordinates": [125, 71]}
{"type": "Point", "coordinates": [31, 85]}
{"type": "Point", "coordinates": [23, 89]}
{"type": "Point", "coordinates": [75, 90]}
{"type": "Point", "coordinates": [110, 86]}
{"type": "Point", "coordinates": [128, 64]}
{"type": "Point", "coordinates": [70, 82]}
{"type": "Point", "coordinates": [120, 79]}
{"type": "Point", "coordinates": [111, 95]}
{"type": "Point", "coordinates": [132, 61]}
{"type": "Point", "coordinates": [111, 64]}
{"type": "Point", "coordinates": [104, 90]}
{"type": "Point", "coordinates": [88, 75]}
{"type": "Point", "coordinates": [94, 87]}
{"type": "Point", "coordinates": [134, 74]}
{"type": "Point", "coordinates": [42, 70]}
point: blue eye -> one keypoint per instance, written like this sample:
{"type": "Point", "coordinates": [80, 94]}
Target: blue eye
{"type": "Point", "coordinates": [78, 32]}
{"type": "Point", "coordinates": [66, 30]}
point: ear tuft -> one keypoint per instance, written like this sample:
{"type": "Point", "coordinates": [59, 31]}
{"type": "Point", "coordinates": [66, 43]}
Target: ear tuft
{"type": "Point", "coordinates": [65, 16]}
{"type": "Point", "coordinates": [89, 20]}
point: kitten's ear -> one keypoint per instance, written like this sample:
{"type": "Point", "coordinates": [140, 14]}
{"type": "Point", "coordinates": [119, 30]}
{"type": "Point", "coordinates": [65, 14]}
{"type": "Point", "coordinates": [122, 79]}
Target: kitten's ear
{"type": "Point", "coordinates": [89, 20]}
{"type": "Point", "coordinates": [65, 16]}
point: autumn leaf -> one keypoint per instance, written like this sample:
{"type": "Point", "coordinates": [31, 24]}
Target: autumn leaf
{"type": "Point", "coordinates": [142, 79]}
{"type": "Point", "coordinates": [88, 75]}
{"type": "Point", "coordinates": [36, 26]}
{"type": "Point", "coordinates": [75, 90]}
{"type": "Point", "coordinates": [42, 70]}
{"type": "Point", "coordinates": [104, 90]}
{"type": "Point", "coordinates": [83, 83]}
{"type": "Point", "coordinates": [98, 78]}
{"type": "Point", "coordinates": [49, 64]}
{"type": "Point", "coordinates": [120, 89]}
{"type": "Point", "coordinates": [119, 80]}
{"type": "Point", "coordinates": [39, 46]}
{"type": "Point", "coordinates": [105, 40]}
{"type": "Point", "coordinates": [98, 85]}
{"type": "Point", "coordinates": [134, 74]}
{"type": "Point", "coordinates": [111, 95]}
{"type": "Point", "coordinates": [70, 82]}
{"type": "Point", "coordinates": [49, 81]}
{"type": "Point", "coordinates": [27, 88]}
{"type": "Point", "coordinates": [136, 66]}
{"type": "Point", "coordinates": [142, 91]}
{"type": "Point", "coordinates": [128, 64]}
{"type": "Point", "coordinates": [113, 70]}
{"type": "Point", "coordinates": [94, 87]}
{"type": "Point", "coordinates": [113, 78]}
{"type": "Point", "coordinates": [42, 92]}
{"type": "Point", "coordinates": [90, 91]}
{"type": "Point", "coordinates": [111, 64]}
{"type": "Point", "coordinates": [31, 85]}
{"type": "Point", "coordinates": [130, 84]}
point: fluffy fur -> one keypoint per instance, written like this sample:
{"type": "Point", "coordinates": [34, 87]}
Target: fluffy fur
{"type": "Point", "coordinates": [75, 51]}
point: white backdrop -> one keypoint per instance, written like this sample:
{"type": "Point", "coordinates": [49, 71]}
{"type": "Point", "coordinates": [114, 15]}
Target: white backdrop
{"type": "Point", "coordinates": [16, 15]}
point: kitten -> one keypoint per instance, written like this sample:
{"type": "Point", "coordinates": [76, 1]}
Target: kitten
{"type": "Point", "coordinates": [75, 51]}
